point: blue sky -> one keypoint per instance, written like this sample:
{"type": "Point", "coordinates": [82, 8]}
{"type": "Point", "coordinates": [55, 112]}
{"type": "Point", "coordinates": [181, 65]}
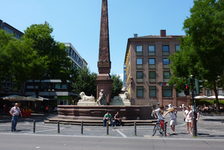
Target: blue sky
{"type": "Point", "coordinates": [78, 22]}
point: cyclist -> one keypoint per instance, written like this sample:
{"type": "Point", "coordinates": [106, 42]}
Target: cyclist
{"type": "Point", "coordinates": [158, 113]}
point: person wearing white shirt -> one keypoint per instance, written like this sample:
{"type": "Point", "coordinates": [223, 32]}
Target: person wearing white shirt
{"type": "Point", "coordinates": [188, 113]}
{"type": "Point", "coordinates": [173, 117]}
{"type": "Point", "coordinates": [15, 113]}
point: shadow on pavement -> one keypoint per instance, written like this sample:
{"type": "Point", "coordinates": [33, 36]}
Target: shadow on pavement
{"type": "Point", "coordinates": [38, 117]}
{"type": "Point", "coordinates": [209, 135]}
{"type": "Point", "coordinates": [216, 120]}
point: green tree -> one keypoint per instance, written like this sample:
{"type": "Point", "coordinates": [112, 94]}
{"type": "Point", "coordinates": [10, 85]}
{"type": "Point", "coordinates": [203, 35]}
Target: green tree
{"type": "Point", "coordinates": [185, 63]}
{"type": "Point", "coordinates": [84, 81]}
{"type": "Point", "coordinates": [117, 85]}
{"type": "Point", "coordinates": [4, 63]}
{"type": "Point", "coordinates": [59, 65]}
{"type": "Point", "coordinates": [205, 26]}
{"type": "Point", "coordinates": [204, 41]}
{"type": "Point", "coordinates": [19, 61]}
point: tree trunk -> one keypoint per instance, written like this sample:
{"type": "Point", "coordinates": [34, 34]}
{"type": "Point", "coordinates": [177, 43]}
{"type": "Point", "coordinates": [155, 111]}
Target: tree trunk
{"type": "Point", "coordinates": [216, 96]}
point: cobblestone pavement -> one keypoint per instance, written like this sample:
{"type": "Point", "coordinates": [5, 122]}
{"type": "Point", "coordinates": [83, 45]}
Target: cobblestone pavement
{"type": "Point", "coordinates": [208, 127]}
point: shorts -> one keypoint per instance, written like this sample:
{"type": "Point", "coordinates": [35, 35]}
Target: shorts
{"type": "Point", "coordinates": [173, 122]}
{"type": "Point", "coordinates": [188, 120]}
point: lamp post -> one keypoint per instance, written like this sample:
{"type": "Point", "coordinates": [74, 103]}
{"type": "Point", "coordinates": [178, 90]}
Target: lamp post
{"type": "Point", "coordinates": [192, 82]}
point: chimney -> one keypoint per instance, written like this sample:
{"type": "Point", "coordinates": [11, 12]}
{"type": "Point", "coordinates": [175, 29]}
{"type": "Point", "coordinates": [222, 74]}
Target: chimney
{"type": "Point", "coordinates": [163, 33]}
{"type": "Point", "coordinates": [135, 35]}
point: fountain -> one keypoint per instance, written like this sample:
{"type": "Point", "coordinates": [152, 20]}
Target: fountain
{"type": "Point", "coordinates": [90, 108]}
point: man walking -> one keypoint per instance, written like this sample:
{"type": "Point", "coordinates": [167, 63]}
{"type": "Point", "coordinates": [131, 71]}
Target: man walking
{"type": "Point", "coordinates": [15, 112]}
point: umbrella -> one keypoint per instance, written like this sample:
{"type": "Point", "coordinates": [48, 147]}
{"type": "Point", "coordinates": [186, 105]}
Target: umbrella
{"type": "Point", "coordinates": [201, 97]}
{"type": "Point", "coordinates": [219, 97]}
{"type": "Point", "coordinates": [22, 98]}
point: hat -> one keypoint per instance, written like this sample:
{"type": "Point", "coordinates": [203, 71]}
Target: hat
{"type": "Point", "coordinates": [170, 109]}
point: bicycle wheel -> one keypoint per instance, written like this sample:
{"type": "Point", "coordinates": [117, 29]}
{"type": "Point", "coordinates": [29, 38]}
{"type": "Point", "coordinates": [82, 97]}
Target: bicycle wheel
{"type": "Point", "coordinates": [154, 129]}
{"type": "Point", "coordinates": [161, 131]}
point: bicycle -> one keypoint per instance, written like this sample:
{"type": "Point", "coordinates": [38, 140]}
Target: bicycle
{"type": "Point", "coordinates": [161, 127]}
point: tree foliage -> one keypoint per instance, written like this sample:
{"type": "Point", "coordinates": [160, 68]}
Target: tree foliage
{"type": "Point", "coordinates": [35, 56]}
{"type": "Point", "coordinates": [202, 51]}
{"type": "Point", "coordinates": [59, 65]}
{"type": "Point", "coordinates": [84, 81]}
{"type": "Point", "coordinates": [4, 63]}
{"type": "Point", "coordinates": [18, 61]}
{"type": "Point", "coordinates": [117, 85]}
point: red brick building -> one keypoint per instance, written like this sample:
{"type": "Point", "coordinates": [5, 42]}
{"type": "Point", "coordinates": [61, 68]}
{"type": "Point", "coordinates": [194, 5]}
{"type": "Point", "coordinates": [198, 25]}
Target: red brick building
{"type": "Point", "coordinates": [147, 70]}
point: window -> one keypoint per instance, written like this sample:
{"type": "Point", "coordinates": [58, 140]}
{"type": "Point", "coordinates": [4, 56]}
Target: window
{"type": "Point", "coordinates": [152, 76]}
{"type": "Point", "coordinates": [166, 49]}
{"type": "Point", "coordinates": [166, 61]}
{"type": "Point", "coordinates": [152, 61]}
{"type": "Point", "coordinates": [139, 50]}
{"type": "Point", "coordinates": [64, 86]}
{"type": "Point", "coordinates": [152, 50]}
{"type": "Point", "coordinates": [57, 86]}
{"type": "Point", "coordinates": [220, 92]}
{"type": "Point", "coordinates": [167, 91]}
{"type": "Point", "coordinates": [177, 47]}
{"type": "Point", "coordinates": [60, 86]}
{"type": "Point", "coordinates": [139, 76]}
{"type": "Point", "coordinates": [209, 92]}
{"type": "Point", "coordinates": [140, 91]}
{"type": "Point", "coordinates": [166, 76]}
{"type": "Point", "coordinates": [139, 63]}
{"type": "Point", "coordinates": [152, 91]}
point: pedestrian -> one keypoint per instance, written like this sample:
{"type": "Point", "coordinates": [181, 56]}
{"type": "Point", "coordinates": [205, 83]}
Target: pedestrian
{"type": "Point", "coordinates": [107, 118]}
{"type": "Point", "coordinates": [188, 114]}
{"type": "Point", "coordinates": [173, 117]}
{"type": "Point", "coordinates": [117, 119]}
{"type": "Point", "coordinates": [15, 113]}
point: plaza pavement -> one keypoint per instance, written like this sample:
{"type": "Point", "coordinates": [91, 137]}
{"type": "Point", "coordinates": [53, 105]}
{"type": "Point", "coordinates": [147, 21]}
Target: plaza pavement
{"type": "Point", "coordinates": [209, 127]}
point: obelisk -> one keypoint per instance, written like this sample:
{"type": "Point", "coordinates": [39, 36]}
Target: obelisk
{"type": "Point", "coordinates": [104, 81]}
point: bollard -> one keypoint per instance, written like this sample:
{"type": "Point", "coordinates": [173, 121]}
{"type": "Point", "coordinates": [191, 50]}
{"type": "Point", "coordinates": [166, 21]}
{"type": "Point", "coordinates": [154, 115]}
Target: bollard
{"type": "Point", "coordinates": [34, 126]}
{"type": "Point", "coordinates": [165, 128]}
{"type": "Point", "coordinates": [58, 126]}
{"type": "Point", "coordinates": [82, 127]}
{"type": "Point", "coordinates": [107, 128]}
{"type": "Point", "coordinates": [135, 128]}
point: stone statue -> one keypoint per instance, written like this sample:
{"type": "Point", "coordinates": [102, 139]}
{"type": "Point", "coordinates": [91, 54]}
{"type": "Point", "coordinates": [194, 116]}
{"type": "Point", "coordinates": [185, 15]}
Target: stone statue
{"type": "Point", "coordinates": [85, 98]}
{"type": "Point", "coordinates": [124, 96]}
{"type": "Point", "coordinates": [121, 99]}
{"type": "Point", "coordinates": [101, 97]}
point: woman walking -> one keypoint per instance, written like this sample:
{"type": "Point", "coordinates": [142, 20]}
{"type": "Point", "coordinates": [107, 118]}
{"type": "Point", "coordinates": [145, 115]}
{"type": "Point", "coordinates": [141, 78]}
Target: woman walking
{"type": "Point", "coordinates": [188, 114]}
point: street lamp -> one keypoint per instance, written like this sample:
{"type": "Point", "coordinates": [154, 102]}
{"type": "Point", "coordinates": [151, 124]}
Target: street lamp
{"type": "Point", "coordinates": [192, 82]}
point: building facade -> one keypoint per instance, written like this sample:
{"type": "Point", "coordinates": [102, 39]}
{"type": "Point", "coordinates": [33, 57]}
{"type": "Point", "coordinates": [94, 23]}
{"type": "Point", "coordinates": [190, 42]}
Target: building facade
{"type": "Point", "coordinates": [51, 89]}
{"type": "Point", "coordinates": [147, 70]}
{"type": "Point", "coordinates": [10, 29]}
{"type": "Point", "coordinates": [77, 60]}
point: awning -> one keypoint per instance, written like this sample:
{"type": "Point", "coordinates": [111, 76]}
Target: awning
{"type": "Point", "coordinates": [23, 98]}
{"type": "Point", "coordinates": [201, 97]}
{"type": "Point", "coordinates": [213, 97]}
